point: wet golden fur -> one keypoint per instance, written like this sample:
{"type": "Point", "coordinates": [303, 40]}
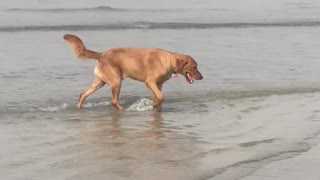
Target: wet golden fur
{"type": "Point", "coordinates": [151, 66]}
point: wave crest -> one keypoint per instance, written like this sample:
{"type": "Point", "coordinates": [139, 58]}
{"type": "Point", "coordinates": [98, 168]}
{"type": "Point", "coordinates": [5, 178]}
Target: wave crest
{"type": "Point", "coordinates": [153, 25]}
{"type": "Point", "coordinates": [98, 8]}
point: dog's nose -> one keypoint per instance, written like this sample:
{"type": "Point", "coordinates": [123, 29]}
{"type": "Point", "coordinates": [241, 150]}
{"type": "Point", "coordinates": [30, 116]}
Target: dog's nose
{"type": "Point", "coordinates": [201, 77]}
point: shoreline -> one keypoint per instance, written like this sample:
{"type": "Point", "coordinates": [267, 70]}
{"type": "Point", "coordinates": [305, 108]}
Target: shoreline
{"type": "Point", "coordinates": [303, 166]}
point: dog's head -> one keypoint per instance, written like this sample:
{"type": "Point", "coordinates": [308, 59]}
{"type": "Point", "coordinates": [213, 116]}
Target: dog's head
{"type": "Point", "coordinates": [188, 67]}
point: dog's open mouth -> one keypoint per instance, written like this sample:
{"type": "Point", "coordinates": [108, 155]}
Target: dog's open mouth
{"type": "Point", "coordinates": [189, 78]}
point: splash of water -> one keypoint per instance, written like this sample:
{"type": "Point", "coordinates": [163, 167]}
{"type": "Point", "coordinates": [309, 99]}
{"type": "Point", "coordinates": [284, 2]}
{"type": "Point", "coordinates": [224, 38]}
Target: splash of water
{"type": "Point", "coordinates": [64, 106]}
{"type": "Point", "coordinates": [54, 108]}
{"type": "Point", "coordinates": [98, 104]}
{"type": "Point", "coordinates": [143, 104]}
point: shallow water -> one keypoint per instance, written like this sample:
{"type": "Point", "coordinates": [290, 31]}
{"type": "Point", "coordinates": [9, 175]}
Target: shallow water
{"type": "Point", "coordinates": [258, 101]}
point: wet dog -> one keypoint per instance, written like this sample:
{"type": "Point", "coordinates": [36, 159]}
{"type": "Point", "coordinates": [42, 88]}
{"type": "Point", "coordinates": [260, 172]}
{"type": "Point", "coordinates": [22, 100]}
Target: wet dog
{"type": "Point", "coordinates": [151, 66]}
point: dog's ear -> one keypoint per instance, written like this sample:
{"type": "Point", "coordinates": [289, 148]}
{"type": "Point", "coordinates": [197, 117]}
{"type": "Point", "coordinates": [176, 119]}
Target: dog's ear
{"type": "Point", "coordinates": [181, 61]}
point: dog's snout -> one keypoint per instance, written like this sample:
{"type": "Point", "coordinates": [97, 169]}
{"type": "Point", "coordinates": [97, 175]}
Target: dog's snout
{"type": "Point", "coordinates": [200, 76]}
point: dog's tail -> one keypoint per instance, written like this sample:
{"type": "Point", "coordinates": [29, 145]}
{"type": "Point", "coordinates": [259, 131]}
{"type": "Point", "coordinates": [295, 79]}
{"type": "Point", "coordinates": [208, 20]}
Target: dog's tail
{"type": "Point", "coordinates": [78, 48]}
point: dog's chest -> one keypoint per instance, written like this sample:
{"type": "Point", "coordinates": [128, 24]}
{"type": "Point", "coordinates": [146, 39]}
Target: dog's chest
{"type": "Point", "coordinates": [165, 77]}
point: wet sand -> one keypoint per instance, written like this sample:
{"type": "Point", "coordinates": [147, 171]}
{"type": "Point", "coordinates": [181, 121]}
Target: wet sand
{"type": "Point", "coordinates": [303, 166]}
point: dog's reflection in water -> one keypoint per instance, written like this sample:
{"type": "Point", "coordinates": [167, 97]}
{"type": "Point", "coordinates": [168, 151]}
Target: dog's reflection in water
{"type": "Point", "coordinates": [156, 126]}
{"type": "Point", "coordinates": [151, 126]}
{"type": "Point", "coordinates": [115, 129]}
{"type": "Point", "coordinates": [123, 144]}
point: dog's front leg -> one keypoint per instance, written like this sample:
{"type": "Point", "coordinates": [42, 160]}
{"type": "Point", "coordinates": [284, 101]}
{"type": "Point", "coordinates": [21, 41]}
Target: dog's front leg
{"type": "Point", "coordinates": [158, 97]}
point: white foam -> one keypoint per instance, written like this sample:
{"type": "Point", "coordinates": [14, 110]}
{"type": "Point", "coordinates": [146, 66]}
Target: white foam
{"type": "Point", "coordinates": [63, 106]}
{"type": "Point", "coordinates": [53, 108]}
{"type": "Point", "coordinates": [97, 104]}
{"type": "Point", "coordinates": [143, 104]}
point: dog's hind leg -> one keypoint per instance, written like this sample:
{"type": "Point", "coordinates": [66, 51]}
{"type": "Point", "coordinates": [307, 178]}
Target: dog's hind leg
{"type": "Point", "coordinates": [97, 84]}
{"type": "Point", "coordinates": [115, 88]}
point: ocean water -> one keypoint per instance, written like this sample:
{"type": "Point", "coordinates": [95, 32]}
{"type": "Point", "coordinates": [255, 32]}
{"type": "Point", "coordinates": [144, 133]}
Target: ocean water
{"type": "Point", "coordinates": [259, 100]}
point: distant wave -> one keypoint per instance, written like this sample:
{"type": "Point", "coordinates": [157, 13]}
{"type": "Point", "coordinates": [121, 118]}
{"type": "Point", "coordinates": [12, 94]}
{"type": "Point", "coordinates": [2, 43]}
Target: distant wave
{"type": "Point", "coordinates": [153, 25]}
{"type": "Point", "coordinates": [99, 8]}
{"type": "Point", "coordinates": [106, 8]}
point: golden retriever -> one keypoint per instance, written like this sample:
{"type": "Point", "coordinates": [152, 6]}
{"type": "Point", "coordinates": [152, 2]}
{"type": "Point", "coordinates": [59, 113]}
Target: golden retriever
{"type": "Point", "coordinates": [151, 66]}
